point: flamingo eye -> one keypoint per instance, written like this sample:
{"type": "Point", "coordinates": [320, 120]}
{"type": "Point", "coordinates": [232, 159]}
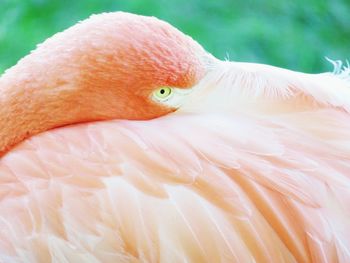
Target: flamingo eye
{"type": "Point", "coordinates": [163, 93]}
{"type": "Point", "coordinates": [171, 97]}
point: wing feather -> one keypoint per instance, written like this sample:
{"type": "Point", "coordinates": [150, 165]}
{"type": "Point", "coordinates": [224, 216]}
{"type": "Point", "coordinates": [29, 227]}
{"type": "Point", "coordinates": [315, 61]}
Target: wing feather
{"type": "Point", "coordinates": [249, 178]}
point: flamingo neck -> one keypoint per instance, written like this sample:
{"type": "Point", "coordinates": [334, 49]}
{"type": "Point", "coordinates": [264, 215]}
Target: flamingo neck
{"type": "Point", "coordinates": [27, 109]}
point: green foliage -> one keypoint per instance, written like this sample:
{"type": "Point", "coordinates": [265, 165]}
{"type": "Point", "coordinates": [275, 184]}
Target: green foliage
{"type": "Point", "coordinates": [293, 34]}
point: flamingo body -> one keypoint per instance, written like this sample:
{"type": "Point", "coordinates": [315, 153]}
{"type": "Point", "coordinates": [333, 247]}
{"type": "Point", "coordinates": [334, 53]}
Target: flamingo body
{"type": "Point", "coordinates": [254, 167]}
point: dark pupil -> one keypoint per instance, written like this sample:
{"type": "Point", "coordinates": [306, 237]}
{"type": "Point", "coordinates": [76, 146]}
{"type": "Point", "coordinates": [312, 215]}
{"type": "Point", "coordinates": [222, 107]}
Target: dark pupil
{"type": "Point", "coordinates": [162, 91]}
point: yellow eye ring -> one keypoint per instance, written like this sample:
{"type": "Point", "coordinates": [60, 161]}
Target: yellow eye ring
{"type": "Point", "coordinates": [162, 93]}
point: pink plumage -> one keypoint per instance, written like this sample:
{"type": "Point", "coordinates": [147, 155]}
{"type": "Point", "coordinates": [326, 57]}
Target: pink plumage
{"type": "Point", "coordinates": [252, 167]}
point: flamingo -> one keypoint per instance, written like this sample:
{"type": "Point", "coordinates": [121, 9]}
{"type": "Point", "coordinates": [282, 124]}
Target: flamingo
{"type": "Point", "coordinates": [123, 140]}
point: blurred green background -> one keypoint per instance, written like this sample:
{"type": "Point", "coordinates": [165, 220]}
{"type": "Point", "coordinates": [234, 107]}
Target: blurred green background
{"type": "Point", "coordinates": [293, 34]}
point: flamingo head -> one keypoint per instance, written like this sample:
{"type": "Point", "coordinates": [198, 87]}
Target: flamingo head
{"type": "Point", "coordinates": [110, 66]}
{"type": "Point", "coordinates": [132, 67]}
{"type": "Point", "coordinates": [119, 65]}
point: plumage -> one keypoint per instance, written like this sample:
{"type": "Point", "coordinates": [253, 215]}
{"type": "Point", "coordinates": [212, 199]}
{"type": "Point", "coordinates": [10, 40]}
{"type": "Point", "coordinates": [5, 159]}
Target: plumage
{"type": "Point", "coordinates": [254, 167]}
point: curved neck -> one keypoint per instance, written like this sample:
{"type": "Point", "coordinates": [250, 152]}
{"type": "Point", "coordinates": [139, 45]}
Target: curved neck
{"type": "Point", "coordinates": [16, 107]}
{"type": "Point", "coordinates": [27, 109]}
